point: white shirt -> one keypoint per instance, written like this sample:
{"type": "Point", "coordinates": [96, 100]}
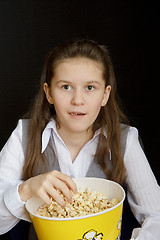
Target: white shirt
{"type": "Point", "coordinates": [143, 195]}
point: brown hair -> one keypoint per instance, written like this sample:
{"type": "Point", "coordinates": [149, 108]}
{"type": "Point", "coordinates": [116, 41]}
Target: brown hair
{"type": "Point", "coordinates": [109, 118]}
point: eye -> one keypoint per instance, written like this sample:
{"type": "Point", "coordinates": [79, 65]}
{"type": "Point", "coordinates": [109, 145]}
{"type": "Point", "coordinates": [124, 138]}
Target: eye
{"type": "Point", "coordinates": [90, 88]}
{"type": "Point", "coordinates": [66, 87]}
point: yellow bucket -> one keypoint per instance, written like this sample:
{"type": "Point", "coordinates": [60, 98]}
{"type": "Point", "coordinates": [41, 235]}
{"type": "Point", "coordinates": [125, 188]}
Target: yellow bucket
{"type": "Point", "coordinates": [105, 225]}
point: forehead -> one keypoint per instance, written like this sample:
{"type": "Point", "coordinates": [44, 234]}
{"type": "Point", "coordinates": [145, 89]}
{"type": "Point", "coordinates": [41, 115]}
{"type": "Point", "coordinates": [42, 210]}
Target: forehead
{"type": "Point", "coordinates": [79, 65]}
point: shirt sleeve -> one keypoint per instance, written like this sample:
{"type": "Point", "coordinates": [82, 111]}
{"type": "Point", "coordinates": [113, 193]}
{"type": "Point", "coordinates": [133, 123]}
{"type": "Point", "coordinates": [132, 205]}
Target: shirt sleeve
{"type": "Point", "coordinates": [12, 209]}
{"type": "Point", "coordinates": [143, 190]}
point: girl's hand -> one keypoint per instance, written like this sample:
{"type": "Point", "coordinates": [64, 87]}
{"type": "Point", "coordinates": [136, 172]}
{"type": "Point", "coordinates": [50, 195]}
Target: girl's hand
{"type": "Point", "coordinates": [44, 186]}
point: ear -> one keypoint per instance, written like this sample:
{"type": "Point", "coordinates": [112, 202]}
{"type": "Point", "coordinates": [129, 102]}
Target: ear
{"type": "Point", "coordinates": [106, 95]}
{"type": "Point", "coordinates": [47, 91]}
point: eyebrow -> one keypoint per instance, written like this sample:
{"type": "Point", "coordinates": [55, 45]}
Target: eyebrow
{"type": "Point", "coordinates": [69, 82]}
{"type": "Point", "coordinates": [93, 81]}
{"type": "Point", "coordinates": [63, 81]}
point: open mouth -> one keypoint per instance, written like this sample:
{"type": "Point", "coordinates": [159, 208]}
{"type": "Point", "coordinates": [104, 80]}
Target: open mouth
{"type": "Point", "coordinates": [77, 114]}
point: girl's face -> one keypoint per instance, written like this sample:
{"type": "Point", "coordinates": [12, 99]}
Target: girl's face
{"type": "Point", "coordinates": [78, 92]}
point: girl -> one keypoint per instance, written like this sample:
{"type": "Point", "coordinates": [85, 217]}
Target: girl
{"type": "Point", "coordinates": [76, 129]}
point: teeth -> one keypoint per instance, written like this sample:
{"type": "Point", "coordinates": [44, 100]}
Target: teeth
{"type": "Point", "coordinates": [77, 114]}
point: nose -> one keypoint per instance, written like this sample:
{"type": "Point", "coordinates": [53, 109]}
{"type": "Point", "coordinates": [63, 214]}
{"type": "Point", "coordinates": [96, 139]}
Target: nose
{"type": "Point", "coordinates": [77, 97]}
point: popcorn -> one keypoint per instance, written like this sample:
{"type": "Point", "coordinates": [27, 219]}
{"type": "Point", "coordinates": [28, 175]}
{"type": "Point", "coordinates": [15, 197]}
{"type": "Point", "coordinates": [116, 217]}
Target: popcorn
{"type": "Point", "coordinates": [83, 203]}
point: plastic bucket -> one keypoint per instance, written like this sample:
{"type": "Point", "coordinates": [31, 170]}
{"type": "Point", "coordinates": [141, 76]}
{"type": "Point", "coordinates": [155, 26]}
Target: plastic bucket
{"type": "Point", "coordinates": [105, 225]}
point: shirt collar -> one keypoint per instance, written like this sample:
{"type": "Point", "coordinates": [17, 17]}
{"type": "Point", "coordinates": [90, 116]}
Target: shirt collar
{"type": "Point", "coordinates": [47, 133]}
{"type": "Point", "coordinates": [51, 126]}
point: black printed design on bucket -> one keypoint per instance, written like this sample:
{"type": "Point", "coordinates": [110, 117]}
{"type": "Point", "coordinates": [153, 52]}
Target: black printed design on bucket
{"type": "Point", "coordinates": [92, 235]}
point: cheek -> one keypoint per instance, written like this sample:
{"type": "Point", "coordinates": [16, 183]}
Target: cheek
{"type": "Point", "coordinates": [95, 107]}
{"type": "Point", "coordinates": [60, 104]}
{"type": "Point", "coordinates": [96, 102]}
{"type": "Point", "coordinates": [58, 98]}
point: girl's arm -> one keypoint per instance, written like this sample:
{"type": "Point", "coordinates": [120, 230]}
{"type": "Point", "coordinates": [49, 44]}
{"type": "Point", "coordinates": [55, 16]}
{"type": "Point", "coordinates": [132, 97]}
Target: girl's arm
{"type": "Point", "coordinates": [143, 190]}
{"type": "Point", "coordinates": [14, 192]}
{"type": "Point", "coordinates": [11, 165]}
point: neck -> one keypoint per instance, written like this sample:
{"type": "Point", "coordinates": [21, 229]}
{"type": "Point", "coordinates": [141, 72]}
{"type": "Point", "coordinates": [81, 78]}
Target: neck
{"type": "Point", "coordinates": [75, 140]}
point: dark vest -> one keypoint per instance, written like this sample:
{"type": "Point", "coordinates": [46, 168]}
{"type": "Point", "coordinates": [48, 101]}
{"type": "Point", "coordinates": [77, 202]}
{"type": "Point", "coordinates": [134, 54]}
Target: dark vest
{"type": "Point", "coordinates": [94, 170]}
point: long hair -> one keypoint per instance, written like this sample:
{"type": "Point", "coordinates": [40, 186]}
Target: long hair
{"type": "Point", "coordinates": [109, 119]}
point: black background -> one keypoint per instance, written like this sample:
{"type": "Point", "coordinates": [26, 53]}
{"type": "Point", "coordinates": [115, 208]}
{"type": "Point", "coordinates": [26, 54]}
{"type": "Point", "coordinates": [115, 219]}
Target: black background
{"type": "Point", "coordinates": [130, 29]}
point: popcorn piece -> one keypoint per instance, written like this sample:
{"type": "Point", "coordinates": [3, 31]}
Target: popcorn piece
{"type": "Point", "coordinates": [83, 203]}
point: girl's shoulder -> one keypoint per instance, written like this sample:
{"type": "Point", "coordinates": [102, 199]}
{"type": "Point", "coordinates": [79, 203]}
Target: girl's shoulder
{"type": "Point", "coordinates": [19, 136]}
{"type": "Point", "coordinates": [22, 132]}
{"type": "Point", "coordinates": [22, 128]}
{"type": "Point", "coordinates": [129, 135]}
{"type": "Point", "coordinates": [25, 125]}
{"type": "Point", "coordinates": [127, 129]}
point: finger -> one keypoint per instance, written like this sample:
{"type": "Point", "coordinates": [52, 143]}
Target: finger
{"type": "Point", "coordinates": [67, 180]}
{"type": "Point", "coordinates": [55, 195]}
{"type": "Point", "coordinates": [45, 197]}
{"type": "Point", "coordinates": [58, 184]}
